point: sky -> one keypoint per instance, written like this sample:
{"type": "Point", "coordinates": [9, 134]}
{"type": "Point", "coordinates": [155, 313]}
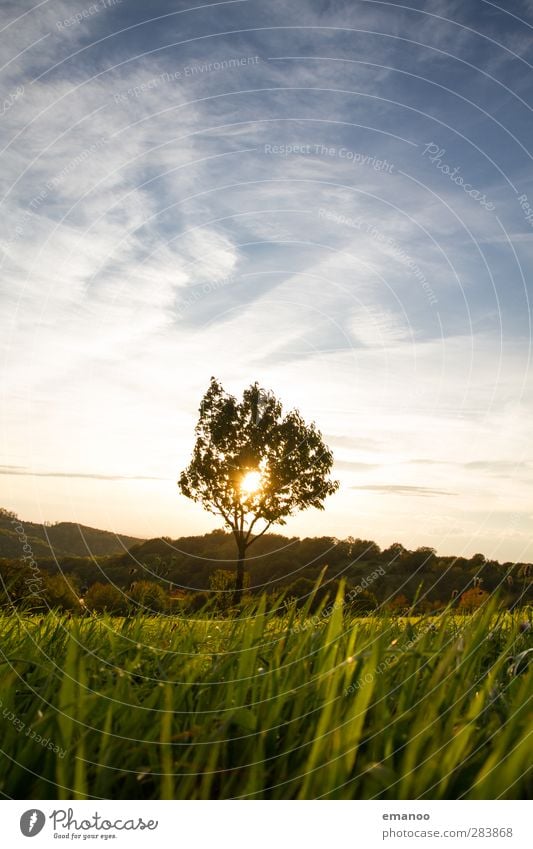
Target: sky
{"type": "Point", "coordinates": [332, 198]}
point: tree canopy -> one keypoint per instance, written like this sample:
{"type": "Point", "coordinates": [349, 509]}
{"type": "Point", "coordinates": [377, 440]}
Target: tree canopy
{"type": "Point", "coordinates": [253, 465]}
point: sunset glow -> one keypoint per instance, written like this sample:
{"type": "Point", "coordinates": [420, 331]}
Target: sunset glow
{"type": "Point", "coordinates": [251, 482]}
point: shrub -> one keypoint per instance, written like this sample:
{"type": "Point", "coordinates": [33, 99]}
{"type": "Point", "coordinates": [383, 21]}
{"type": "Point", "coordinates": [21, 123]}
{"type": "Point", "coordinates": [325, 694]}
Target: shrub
{"type": "Point", "coordinates": [106, 598]}
{"type": "Point", "coordinates": [147, 597]}
{"type": "Point", "coordinates": [196, 602]}
{"type": "Point", "coordinates": [62, 592]}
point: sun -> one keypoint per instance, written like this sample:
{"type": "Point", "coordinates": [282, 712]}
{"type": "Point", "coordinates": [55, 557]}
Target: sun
{"type": "Point", "coordinates": [251, 482]}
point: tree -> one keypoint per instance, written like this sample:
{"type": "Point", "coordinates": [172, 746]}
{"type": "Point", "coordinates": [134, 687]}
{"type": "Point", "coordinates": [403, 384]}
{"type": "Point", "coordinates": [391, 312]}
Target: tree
{"type": "Point", "coordinates": [251, 464]}
{"type": "Point", "coordinates": [423, 557]}
{"type": "Point", "coordinates": [62, 591]}
{"type": "Point", "coordinates": [394, 553]}
{"type": "Point", "coordinates": [19, 586]}
{"type": "Point", "coordinates": [148, 597]}
{"type": "Point", "coordinates": [478, 561]}
{"type": "Point", "coordinates": [105, 598]}
{"type": "Point", "coordinates": [363, 549]}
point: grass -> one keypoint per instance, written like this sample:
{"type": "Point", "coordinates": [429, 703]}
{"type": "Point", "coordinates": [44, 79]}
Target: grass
{"type": "Point", "coordinates": [266, 706]}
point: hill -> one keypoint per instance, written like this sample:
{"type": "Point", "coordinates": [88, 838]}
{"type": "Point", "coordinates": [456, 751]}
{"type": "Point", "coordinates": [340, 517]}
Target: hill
{"type": "Point", "coordinates": [64, 539]}
{"type": "Point", "coordinates": [194, 564]}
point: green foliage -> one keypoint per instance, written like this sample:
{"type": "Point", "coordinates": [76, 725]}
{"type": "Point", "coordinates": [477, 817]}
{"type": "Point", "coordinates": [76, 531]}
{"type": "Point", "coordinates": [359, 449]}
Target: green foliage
{"type": "Point", "coordinates": [11, 545]}
{"type": "Point", "coordinates": [144, 597]}
{"type": "Point", "coordinates": [19, 586]}
{"type": "Point", "coordinates": [278, 563]}
{"type": "Point", "coordinates": [147, 597]}
{"type": "Point", "coordinates": [267, 706]}
{"type": "Point", "coordinates": [62, 592]}
{"type": "Point", "coordinates": [222, 586]}
{"type": "Point", "coordinates": [105, 598]}
{"type": "Point", "coordinates": [234, 438]}
{"type": "Point", "coordinates": [197, 602]}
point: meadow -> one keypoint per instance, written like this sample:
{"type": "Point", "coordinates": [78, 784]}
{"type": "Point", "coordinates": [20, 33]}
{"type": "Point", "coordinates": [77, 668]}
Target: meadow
{"type": "Point", "coordinates": [269, 704]}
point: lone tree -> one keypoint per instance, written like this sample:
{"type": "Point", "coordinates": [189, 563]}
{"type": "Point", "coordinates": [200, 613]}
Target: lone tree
{"type": "Point", "coordinates": [254, 466]}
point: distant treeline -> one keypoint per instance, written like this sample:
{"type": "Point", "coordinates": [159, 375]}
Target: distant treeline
{"type": "Point", "coordinates": [189, 571]}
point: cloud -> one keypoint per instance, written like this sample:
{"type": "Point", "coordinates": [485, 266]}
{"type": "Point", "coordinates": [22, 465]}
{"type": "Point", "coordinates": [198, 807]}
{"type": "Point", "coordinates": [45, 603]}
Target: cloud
{"type": "Point", "coordinates": [151, 241]}
{"type": "Point", "coordinates": [398, 489]}
{"type": "Point", "coordinates": [19, 470]}
{"type": "Point", "coordinates": [341, 441]}
{"type": "Point", "coordinates": [504, 468]}
{"type": "Point", "coordinates": [351, 465]}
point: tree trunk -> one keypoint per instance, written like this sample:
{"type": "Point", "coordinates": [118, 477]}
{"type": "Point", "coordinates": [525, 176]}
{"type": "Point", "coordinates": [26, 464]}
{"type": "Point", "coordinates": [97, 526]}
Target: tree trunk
{"type": "Point", "coordinates": [239, 578]}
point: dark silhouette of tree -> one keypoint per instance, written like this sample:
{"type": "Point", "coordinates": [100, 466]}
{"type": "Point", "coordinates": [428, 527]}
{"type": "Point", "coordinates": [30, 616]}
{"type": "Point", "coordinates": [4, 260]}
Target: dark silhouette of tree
{"type": "Point", "coordinates": [394, 553]}
{"type": "Point", "coordinates": [255, 466]}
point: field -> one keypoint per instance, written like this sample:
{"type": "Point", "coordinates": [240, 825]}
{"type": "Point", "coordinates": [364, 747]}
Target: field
{"type": "Point", "coordinates": [265, 706]}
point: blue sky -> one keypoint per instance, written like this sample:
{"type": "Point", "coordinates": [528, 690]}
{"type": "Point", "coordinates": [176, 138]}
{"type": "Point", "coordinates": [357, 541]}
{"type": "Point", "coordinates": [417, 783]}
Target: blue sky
{"type": "Point", "coordinates": [332, 198]}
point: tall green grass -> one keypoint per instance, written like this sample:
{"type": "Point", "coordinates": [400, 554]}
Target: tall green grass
{"type": "Point", "coordinates": [266, 705]}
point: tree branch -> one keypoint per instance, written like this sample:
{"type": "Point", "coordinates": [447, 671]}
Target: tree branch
{"type": "Point", "coordinates": [265, 529]}
{"type": "Point", "coordinates": [252, 523]}
{"type": "Point", "coordinates": [224, 515]}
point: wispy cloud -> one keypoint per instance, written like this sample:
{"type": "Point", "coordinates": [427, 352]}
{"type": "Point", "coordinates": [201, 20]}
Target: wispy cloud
{"type": "Point", "coordinates": [354, 466]}
{"type": "Point", "coordinates": [200, 191]}
{"type": "Point", "coordinates": [18, 470]}
{"type": "Point", "coordinates": [399, 489]}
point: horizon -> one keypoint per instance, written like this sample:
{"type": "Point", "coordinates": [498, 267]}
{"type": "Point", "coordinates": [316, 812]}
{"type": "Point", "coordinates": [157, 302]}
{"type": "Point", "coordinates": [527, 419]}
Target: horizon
{"type": "Point", "coordinates": [275, 531]}
{"type": "Point", "coordinates": [219, 191]}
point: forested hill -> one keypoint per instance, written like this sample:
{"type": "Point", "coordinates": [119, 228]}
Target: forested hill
{"type": "Point", "coordinates": [280, 561]}
{"type": "Point", "coordinates": [192, 563]}
{"type": "Point", "coordinates": [64, 539]}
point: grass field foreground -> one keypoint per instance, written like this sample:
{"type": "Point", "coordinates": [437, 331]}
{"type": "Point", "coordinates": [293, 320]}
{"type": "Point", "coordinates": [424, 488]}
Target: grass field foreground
{"type": "Point", "coordinates": [266, 705]}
